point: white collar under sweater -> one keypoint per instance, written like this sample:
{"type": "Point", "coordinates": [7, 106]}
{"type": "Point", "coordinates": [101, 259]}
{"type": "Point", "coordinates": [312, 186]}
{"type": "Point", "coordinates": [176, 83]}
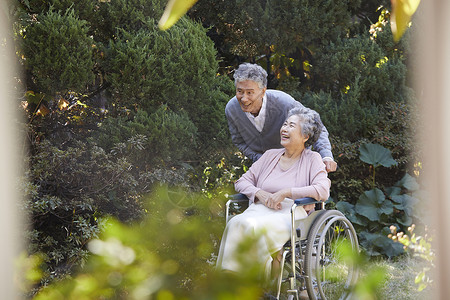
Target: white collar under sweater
{"type": "Point", "coordinates": [259, 120]}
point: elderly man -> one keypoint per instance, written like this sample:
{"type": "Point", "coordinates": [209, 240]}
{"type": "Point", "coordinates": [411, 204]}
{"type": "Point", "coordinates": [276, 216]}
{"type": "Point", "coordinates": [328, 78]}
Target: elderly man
{"type": "Point", "coordinates": [256, 114]}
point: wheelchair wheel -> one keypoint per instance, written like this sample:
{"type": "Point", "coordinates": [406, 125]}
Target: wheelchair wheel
{"type": "Point", "coordinates": [330, 274]}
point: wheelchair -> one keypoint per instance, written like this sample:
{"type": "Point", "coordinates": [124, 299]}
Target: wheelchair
{"type": "Point", "coordinates": [312, 259]}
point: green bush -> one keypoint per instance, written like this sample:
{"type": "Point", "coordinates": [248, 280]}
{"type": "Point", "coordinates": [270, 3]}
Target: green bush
{"type": "Point", "coordinates": [377, 209]}
{"type": "Point", "coordinates": [130, 15]}
{"type": "Point", "coordinates": [359, 118]}
{"type": "Point", "coordinates": [84, 9]}
{"type": "Point", "coordinates": [150, 140]}
{"type": "Point", "coordinates": [363, 64]}
{"type": "Point", "coordinates": [58, 52]}
{"type": "Point", "coordinates": [168, 255]}
{"type": "Point", "coordinates": [390, 125]}
{"type": "Point", "coordinates": [149, 67]}
{"type": "Point", "coordinates": [289, 25]}
{"type": "Point", "coordinates": [67, 191]}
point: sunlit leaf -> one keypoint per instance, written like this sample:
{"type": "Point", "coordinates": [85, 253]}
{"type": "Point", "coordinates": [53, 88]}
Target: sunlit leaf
{"type": "Point", "coordinates": [43, 110]}
{"type": "Point", "coordinates": [63, 104]}
{"type": "Point", "coordinates": [175, 9]}
{"type": "Point", "coordinates": [402, 11]}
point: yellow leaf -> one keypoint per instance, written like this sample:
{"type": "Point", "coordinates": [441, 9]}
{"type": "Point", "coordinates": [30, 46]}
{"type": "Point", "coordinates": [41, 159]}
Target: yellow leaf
{"type": "Point", "coordinates": [63, 104]}
{"type": "Point", "coordinates": [175, 9]}
{"type": "Point", "coordinates": [43, 110]}
{"type": "Point", "coordinates": [402, 11]}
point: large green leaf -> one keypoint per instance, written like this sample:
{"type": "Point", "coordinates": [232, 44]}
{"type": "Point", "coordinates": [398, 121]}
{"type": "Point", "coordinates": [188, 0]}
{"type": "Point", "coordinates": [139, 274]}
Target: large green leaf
{"type": "Point", "coordinates": [405, 220]}
{"type": "Point", "coordinates": [405, 202]}
{"type": "Point", "coordinates": [393, 191]}
{"type": "Point", "coordinates": [345, 207]}
{"type": "Point", "coordinates": [390, 248]}
{"type": "Point", "coordinates": [348, 210]}
{"type": "Point", "coordinates": [372, 204]}
{"type": "Point", "coordinates": [380, 244]}
{"type": "Point", "coordinates": [408, 182]}
{"type": "Point", "coordinates": [376, 155]}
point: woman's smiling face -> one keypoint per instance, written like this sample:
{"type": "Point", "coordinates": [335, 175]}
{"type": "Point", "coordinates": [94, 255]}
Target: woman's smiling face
{"type": "Point", "coordinates": [291, 133]}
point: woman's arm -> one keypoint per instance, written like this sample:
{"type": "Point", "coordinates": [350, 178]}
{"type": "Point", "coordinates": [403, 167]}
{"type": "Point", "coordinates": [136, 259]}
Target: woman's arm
{"type": "Point", "coordinates": [319, 187]}
{"type": "Point", "coordinates": [247, 184]}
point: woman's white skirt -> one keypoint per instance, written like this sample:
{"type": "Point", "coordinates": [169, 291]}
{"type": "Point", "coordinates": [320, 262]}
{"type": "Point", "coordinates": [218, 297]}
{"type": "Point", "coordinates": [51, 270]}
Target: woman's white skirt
{"type": "Point", "coordinates": [266, 229]}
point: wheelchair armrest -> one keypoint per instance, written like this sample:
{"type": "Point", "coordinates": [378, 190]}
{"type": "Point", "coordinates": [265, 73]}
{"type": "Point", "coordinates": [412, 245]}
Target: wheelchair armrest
{"type": "Point", "coordinates": [235, 198]}
{"type": "Point", "coordinates": [238, 197]}
{"type": "Point", "coordinates": [306, 201]}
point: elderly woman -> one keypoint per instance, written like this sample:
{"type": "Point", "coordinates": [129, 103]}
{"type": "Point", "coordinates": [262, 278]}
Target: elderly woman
{"type": "Point", "coordinates": [271, 183]}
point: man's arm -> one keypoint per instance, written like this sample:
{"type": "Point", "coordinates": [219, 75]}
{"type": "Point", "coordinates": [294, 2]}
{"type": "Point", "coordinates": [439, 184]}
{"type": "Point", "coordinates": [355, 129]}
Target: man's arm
{"type": "Point", "coordinates": [323, 145]}
{"type": "Point", "coordinates": [239, 141]}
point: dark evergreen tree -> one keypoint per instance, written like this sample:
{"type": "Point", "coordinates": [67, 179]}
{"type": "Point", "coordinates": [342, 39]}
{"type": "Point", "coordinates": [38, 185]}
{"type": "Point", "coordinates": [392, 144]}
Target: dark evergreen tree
{"type": "Point", "coordinates": [58, 52]}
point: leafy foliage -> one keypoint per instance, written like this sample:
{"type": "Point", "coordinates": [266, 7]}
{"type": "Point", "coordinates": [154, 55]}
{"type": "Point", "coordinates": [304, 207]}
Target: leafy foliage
{"type": "Point", "coordinates": [117, 107]}
{"type": "Point", "coordinates": [166, 256]}
{"type": "Point", "coordinates": [58, 52]}
{"type": "Point", "coordinates": [359, 118]}
{"type": "Point", "coordinates": [363, 64]}
{"type": "Point", "coordinates": [376, 210]}
{"type": "Point", "coordinates": [129, 15]}
{"type": "Point", "coordinates": [418, 246]}
{"type": "Point", "coordinates": [150, 140]}
{"type": "Point", "coordinates": [139, 77]}
{"type": "Point", "coordinates": [67, 191]}
{"type": "Point", "coordinates": [287, 24]}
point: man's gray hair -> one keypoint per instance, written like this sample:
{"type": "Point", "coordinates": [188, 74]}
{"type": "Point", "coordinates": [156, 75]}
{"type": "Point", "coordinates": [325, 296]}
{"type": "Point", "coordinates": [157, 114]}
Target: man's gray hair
{"type": "Point", "coordinates": [254, 72]}
{"type": "Point", "coordinates": [310, 123]}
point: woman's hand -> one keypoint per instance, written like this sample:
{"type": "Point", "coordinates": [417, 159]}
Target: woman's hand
{"type": "Point", "coordinates": [263, 196]}
{"type": "Point", "coordinates": [275, 199]}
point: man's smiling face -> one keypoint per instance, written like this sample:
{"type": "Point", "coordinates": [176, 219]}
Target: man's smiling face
{"type": "Point", "coordinates": [250, 96]}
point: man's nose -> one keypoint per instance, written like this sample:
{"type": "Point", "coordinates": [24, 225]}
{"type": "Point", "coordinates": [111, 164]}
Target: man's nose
{"type": "Point", "coordinates": [244, 98]}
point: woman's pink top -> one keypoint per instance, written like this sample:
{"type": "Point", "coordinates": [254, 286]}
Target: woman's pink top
{"type": "Point", "coordinates": [307, 178]}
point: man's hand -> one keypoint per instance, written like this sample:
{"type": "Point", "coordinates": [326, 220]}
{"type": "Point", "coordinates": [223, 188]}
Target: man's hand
{"type": "Point", "coordinates": [330, 165]}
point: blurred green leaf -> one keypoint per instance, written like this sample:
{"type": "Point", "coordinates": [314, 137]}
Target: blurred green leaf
{"type": "Point", "coordinates": [175, 9]}
{"type": "Point", "coordinates": [402, 11]}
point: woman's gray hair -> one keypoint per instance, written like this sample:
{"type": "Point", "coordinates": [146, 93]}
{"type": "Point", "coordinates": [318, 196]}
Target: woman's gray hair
{"type": "Point", "coordinates": [310, 123]}
{"type": "Point", "coordinates": [254, 72]}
